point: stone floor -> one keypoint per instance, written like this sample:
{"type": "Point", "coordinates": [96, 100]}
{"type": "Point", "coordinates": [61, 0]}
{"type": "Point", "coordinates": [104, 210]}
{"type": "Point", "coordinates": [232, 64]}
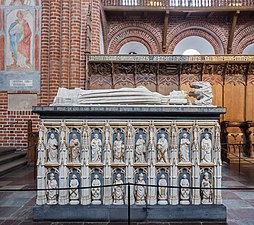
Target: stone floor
{"type": "Point", "coordinates": [16, 207]}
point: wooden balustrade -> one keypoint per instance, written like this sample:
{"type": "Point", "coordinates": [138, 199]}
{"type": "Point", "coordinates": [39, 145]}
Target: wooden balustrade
{"type": "Point", "coordinates": [179, 3]}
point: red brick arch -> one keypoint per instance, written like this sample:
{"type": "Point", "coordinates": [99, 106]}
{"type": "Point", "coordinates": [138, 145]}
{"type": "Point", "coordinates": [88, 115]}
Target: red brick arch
{"type": "Point", "coordinates": [243, 38]}
{"type": "Point", "coordinates": [213, 34]}
{"type": "Point", "coordinates": [134, 34]}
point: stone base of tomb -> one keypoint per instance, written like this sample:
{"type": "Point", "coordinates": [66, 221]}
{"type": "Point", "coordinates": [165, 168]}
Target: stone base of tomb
{"type": "Point", "coordinates": [99, 127]}
{"type": "Point", "coordinates": [111, 213]}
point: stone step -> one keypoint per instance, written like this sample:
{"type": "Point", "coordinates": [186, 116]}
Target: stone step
{"type": "Point", "coordinates": [11, 157]}
{"type": "Point", "coordinates": [10, 166]}
{"type": "Point", "coordinates": [7, 150]}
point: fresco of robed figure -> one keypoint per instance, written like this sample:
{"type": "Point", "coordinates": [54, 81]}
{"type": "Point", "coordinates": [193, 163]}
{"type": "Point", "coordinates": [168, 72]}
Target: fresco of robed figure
{"type": "Point", "coordinates": [20, 35]}
{"type": "Point", "coordinates": [19, 2]}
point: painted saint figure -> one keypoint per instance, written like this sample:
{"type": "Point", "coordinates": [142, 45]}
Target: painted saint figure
{"type": "Point", "coordinates": [52, 149]}
{"type": "Point", "coordinates": [184, 191]}
{"type": "Point", "coordinates": [140, 191]}
{"type": "Point", "coordinates": [20, 41]}
{"type": "Point", "coordinates": [51, 192]}
{"type": "Point", "coordinates": [74, 195]}
{"type": "Point", "coordinates": [74, 149]}
{"type": "Point", "coordinates": [118, 191]}
{"type": "Point", "coordinates": [206, 149]}
{"type": "Point", "coordinates": [206, 192]}
{"type": "Point", "coordinates": [184, 148]}
{"type": "Point", "coordinates": [118, 148]}
{"type": "Point", "coordinates": [162, 190]}
{"type": "Point", "coordinates": [96, 190]}
{"type": "Point", "coordinates": [140, 149]}
{"type": "Point", "coordinates": [162, 146]}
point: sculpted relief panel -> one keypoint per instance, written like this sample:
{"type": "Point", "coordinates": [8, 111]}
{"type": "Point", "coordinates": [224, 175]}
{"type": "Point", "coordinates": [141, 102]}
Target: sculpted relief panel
{"type": "Point", "coordinates": [90, 153]}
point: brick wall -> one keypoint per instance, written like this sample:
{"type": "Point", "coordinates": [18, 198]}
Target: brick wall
{"type": "Point", "coordinates": [64, 45]}
{"type": "Point", "coordinates": [13, 124]}
{"type": "Point", "coordinates": [214, 29]}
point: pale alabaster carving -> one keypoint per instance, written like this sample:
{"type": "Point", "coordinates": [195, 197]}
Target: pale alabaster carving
{"type": "Point", "coordinates": [140, 150]}
{"type": "Point", "coordinates": [52, 149]}
{"type": "Point", "coordinates": [96, 146]}
{"type": "Point", "coordinates": [203, 93]}
{"type": "Point", "coordinates": [206, 149]}
{"type": "Point", "coordinates": [118, 149]}
{"type": "Point", "coordinates": [184, 148]}
{"type": "Point", "coordinates": [75, 149]}
{"type": "Point", "coordinates": [74, 195]}
{"type": "Point", "coordinates": [162, 146]}
{"type": "Point", "coordinates": [184, 191]}
{"type": "Point", "coordinates": [123, 96]}
{"type": "Point", "coordinates": [140, 191]}
{"type": "Point", "coordinates": [118, 191]}
{"type": "Point", "coordinates": [163, 191]}
{"type": "Point", "coordinates": [96, 190]}
{"type": "Point", "coordinates": [206, 192]}
{"type": "Point", "coordinates": [51, 192]}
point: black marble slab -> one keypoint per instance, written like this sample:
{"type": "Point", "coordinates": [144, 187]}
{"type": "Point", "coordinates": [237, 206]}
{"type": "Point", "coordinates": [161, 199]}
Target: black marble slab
{"type": "Point", "coordinates": [129, 112]}
{"type": "Point", "coordinates": [113, 213]}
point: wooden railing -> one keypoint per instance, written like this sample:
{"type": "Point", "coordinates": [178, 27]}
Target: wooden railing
{"type": "Point", "coordinates": [179, 3]}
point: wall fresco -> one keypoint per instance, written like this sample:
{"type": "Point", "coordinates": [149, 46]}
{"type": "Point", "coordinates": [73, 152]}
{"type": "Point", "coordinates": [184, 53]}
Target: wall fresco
{"type": "Point", "coordinates": [20, 36]}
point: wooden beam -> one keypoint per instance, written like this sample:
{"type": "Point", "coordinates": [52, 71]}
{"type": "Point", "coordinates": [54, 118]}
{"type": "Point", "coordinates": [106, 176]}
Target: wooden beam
{"type": "Point", "coordinates": [144, 15]}
{"type": "Point", "coordinates": [187, 15]}
{"type": "Point", "coordinates": [165, 31]}
{"type": "Point", "coordinates": [210, 15]}
{"type": "Point", "coordinates": [232, 31]}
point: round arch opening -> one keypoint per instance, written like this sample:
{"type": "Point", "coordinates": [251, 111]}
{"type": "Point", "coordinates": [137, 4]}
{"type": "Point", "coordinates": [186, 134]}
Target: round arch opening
{"type": "Point", "coordinates": [249, 50]}
{"type": "Point", "coordinates": [134, 47]}
{"type": "Point", "coordinates": [194, 45]}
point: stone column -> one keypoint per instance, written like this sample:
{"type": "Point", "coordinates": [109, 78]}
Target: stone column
{"type": "Point", "coordinates": [107, 197]}
{"type": "Point", "coordinates": [85, 171]}
{"type": "Point", "coordinates": [41, 171]}
{"type": "Point", "coordinates": [152, 194]}
{"type": "Point", "coordinates": [130, 162]}
{"type": "Point", "coordinates": [217, 166]}
{"type": "Point", "coordinates": [195, 166]}
{"type": "Point", "coordinates": [173, 168]}
{"type": "Point", "coordinates": [63, 170]}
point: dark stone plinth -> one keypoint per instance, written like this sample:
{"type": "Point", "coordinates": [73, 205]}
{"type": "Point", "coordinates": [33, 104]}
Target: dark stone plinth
{"type": "Point", "coordinates": [129, 112]}
{"type": "Point", "coordinates": [103, 213]}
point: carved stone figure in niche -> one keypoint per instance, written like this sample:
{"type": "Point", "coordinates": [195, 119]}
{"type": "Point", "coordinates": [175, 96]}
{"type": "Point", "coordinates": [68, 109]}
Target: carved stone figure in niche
{"type": "Point", "coordinates": [140, 191]}
{"type": "Point", "coordinates": [163, 191]}
{"type": "Point", "coordinates": [51, 192]}
{"type": "Point", "coordinates": [118, 191]}
{"type": "Point", "coordinates": [74, 195]}
{"type": "Point", "coordinates": [118, 148]}
{"type": "Point", "coordinates": [96, 146]}
{"type": "Point", "coordinates": [52, 149]}
{"type": "Point", "coordinates": [75, 149]}
{"type": "Point", "coordinates": [140, 149]}
{"type": "Point", "coordinates": [206, 149]}
{"type": "Point", "coordinates": [96, 190]}
{"type": "Point", "coordinates": [184, 191]}
{"type": "Point", "coordinates": [162, 146]}
{"type": "Point", "coordinates": [206, 192]}
{"type": "Point", "coordinates": [184, 148]}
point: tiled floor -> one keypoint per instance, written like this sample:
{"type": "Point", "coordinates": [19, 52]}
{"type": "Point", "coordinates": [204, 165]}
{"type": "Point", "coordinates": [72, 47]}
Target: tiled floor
{"type": "Point", "coordinates": [16, 207]}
